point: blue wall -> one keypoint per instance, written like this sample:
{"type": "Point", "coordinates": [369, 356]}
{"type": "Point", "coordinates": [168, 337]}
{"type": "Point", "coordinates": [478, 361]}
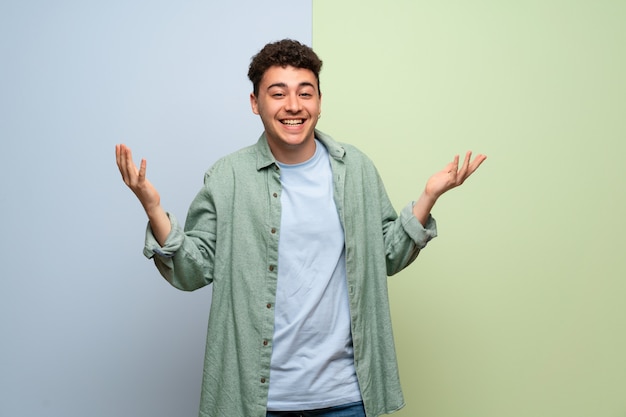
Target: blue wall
{"type": "Point", "coordinates": [88, 327]}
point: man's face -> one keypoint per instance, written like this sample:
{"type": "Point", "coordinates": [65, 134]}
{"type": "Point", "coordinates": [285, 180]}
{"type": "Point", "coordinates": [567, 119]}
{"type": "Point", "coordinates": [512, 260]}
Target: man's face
{"type": "Point", "coordinates": [289, 104]}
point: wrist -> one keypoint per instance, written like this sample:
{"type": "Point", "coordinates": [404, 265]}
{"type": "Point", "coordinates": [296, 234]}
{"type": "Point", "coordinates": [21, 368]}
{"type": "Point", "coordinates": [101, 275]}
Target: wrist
{"type": "Point", "coordinates": [423, 206]}
{"type": "Point", "coordinates": [154, 211]}
{"type": "Point", "coordinates": [428, 197]}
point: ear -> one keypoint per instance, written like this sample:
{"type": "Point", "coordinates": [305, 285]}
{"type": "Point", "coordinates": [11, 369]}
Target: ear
{"type": "Point", "coordinates": [254, 103]}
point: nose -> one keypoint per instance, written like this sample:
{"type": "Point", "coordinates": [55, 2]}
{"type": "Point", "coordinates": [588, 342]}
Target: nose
{"type": "Point", "coordinates": [292, 103]}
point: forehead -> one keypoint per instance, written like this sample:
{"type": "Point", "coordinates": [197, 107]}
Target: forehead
{"type": "Point", "coordinates": [288, 77]}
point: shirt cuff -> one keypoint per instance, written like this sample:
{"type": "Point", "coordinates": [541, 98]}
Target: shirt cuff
{"type": "Point", "coordinates": [421, 235]}
{"type": "Point", "coordinates": [172, 243]}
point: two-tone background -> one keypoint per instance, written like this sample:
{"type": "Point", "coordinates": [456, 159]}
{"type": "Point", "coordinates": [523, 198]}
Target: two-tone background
{"type": "Point", "coordinates": [517, 309]}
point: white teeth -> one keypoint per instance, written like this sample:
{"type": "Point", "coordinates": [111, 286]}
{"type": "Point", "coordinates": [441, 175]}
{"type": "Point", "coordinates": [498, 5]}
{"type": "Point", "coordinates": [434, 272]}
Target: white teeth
{"type": "Point", "coordinates": [292, 122]}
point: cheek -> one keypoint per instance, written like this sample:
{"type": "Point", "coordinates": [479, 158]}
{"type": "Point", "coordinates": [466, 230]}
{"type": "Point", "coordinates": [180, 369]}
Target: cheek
{"type": "Point", "coordinates": [268, 110]}
{"type": "Point", "coordinates": [317, 106]}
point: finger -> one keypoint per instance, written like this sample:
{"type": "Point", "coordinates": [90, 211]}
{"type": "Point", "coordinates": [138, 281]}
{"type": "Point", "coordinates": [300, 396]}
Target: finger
{"type": "Point", "coordinates": [476, 162]}
{"type": "Point", "coordinates": [120, 158]}
{"type": "Point", "coordinates": [468, 157]}
{"type": "Point", "coordinates": [453, 166]}
{"type": "Point", "coordinates": [465, 166]}
{"type": "Point", "coordinates": [128, 156]}
{"type": "Point", "coordinates": [128, 166]}
{"type": "Point", "coordinates": [142, 170]}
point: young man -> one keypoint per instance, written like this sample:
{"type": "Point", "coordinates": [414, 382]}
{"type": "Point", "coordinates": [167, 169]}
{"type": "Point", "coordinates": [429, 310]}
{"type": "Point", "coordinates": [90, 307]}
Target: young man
{"type": "Point", "coordinates": [297, 235]}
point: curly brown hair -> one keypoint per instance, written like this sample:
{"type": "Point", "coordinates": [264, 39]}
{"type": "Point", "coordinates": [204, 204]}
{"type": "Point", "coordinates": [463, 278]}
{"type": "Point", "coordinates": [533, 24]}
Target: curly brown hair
{"type": "Point", "coordinates": [286, 52]}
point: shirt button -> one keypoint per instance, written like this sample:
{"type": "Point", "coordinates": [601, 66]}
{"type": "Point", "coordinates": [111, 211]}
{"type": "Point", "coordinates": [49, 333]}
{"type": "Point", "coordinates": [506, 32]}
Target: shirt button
{"type": "Point", "coordinates": [271, 268]}
{"type": "Point", "coordinates": [262, 380]}
{"type": "Point", "coordinates": [275, 195]}
{"type": "Point", "coordinates": [268, 305]}
{"type": "Point", "coordinates": [273, 230]}
{"type": "Point", "coordinates": [265, 343]}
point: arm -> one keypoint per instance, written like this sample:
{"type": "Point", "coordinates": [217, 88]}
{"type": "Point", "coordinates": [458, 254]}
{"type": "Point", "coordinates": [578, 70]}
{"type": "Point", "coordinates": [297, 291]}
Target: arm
{"type": "Point", "coordinates": [148, 196]}
{"type": "Point", "coordinates": [448, 178]}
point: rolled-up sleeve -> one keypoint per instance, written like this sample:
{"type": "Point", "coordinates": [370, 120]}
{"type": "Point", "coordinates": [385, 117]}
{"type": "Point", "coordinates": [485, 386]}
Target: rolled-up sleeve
{"type": "Point", "coordinates": [172, 243]}
{"type": "Point", "coordinates": [420, 234]}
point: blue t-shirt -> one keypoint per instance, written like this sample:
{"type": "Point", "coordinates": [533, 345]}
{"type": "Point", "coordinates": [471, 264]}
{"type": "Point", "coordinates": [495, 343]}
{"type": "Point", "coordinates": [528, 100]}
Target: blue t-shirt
{"type": "Point", "coordinates": [312, 358]}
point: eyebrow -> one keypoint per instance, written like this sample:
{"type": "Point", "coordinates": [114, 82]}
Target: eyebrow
{"type": "Point", "coordinates": [283, 85]}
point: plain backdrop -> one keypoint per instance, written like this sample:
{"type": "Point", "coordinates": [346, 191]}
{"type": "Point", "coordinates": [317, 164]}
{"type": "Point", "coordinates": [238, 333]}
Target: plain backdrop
{"type": "Point", "coordinates": [518, 307]}
{"type": "Point", "coordinates": [87, 326]}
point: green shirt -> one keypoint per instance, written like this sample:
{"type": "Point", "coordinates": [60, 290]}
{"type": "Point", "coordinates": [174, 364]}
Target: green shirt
{"type": "Point", "coordinates": [230, 239]}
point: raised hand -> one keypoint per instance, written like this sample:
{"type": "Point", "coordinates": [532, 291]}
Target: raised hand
{"type": "Point", "coordinates": [451, 176]}
{"type": "Point", "coordinates": [448, 178]}
{"type": "Point", "coordinates": [135, 179]}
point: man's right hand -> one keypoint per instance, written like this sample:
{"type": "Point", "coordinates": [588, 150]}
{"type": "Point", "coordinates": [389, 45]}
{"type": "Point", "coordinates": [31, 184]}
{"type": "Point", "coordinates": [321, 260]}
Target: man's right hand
{"type": "Point", "coordinates": [135, 179]}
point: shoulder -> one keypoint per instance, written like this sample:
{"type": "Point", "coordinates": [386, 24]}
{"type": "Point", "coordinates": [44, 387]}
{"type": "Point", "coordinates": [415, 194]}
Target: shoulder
{"type": "Point", "coordinates": [355, 153]}
{"type": "Point", "coordinates": [347, 152]}
{"type": "Point", "coordinates": [357, 160]}
{"type": "Point", "coordinates": [242, 157]}
{"type": "Point", "coordinates": [227, 171]}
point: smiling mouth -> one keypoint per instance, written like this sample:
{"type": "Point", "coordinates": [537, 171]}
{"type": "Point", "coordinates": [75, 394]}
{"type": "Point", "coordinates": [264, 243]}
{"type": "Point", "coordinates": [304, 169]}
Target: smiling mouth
{"type": "Point", "coordinates": [292, 122]}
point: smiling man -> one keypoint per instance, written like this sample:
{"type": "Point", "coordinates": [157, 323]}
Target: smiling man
{"type": "Point", "coordinates": [297, 235]}
{"type": "Point", "coordinates": [289, 104]}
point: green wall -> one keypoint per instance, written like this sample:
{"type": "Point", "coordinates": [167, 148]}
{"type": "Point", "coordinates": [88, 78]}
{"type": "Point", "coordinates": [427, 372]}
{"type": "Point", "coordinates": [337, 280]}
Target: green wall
{"type": "Point", "coordinates": [518, 308]}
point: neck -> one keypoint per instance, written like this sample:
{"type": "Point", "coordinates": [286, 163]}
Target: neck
{"type": "Point", "coordinates": [293, 154]}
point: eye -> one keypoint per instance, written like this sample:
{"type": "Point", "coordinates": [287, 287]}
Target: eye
{"type": "Point", "coordinates": [278, 95]}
